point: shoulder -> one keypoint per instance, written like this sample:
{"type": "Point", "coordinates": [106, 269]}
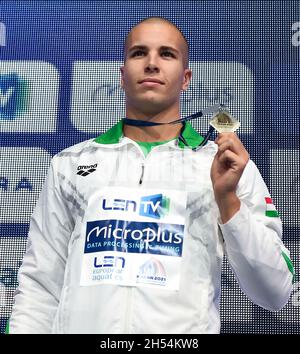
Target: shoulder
{"type": "Point", "coordinates": [75, 150]}
{"type": "Point", "coordinates": [72, 155]}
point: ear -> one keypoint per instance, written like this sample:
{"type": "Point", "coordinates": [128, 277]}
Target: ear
{"type": "Point", "coordinates": [122, 76]}
{"type": "Point", "coordinates": [186, 79]}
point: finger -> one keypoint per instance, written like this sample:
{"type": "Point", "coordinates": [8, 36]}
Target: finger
{"type": "Point", "coordinates": [229, 157]}
{"type": "Point", "coordinates": [227, 135]}
{"type": "Point", "coordinates": [233, 143]}
{"type": "Point", "coordinates": [227, 145]}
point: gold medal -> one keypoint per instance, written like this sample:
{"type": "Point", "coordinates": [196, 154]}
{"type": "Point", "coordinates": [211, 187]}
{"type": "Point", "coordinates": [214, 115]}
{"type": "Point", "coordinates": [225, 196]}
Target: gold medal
{"type": "Point", "coordinates": [223, 122]}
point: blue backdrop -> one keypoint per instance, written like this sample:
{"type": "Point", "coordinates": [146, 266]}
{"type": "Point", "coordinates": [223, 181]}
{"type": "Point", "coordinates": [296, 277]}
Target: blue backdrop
{"type": "Point", "coordinates": [59, 85]}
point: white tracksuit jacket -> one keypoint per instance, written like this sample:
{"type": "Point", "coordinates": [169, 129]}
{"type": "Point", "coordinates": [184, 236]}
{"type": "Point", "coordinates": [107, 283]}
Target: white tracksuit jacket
{"type": "Point", "coordinates": [70, 283]}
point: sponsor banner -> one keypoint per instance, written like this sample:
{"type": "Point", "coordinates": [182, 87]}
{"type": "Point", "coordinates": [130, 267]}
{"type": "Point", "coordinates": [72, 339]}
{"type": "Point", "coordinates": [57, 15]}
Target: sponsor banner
{"type": "Point", "coordinates": [130, 270]}
{"type": "Point", "coordinates": [22, 174]}
{"type": "Point", "coordinates": [137, 239]}
{"type": "Point", "coordinates": [28, 96]}
{"type": "Point", "coordinates": [134, 237]}
{"type": "Point", "coordinates": [97, 95]}
{"type": "Point", "coordinates": [284, 166]}
{"type": "Point", "coordinates": [136, 204]}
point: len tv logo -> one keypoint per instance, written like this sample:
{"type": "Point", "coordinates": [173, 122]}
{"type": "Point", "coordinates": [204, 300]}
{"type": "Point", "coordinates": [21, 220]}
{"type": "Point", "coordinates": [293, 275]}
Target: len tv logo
{"type": "Point", "coordinates": [13, 96]}
{"type": "Point", "coordinates": [153, 206]}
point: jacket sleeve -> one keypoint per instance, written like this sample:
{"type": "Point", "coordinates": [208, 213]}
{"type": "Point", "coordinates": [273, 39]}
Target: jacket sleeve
{"type": "Point", "coordinates": [254, 247]}
{"type": "Point", "coordinates": [41, 274]}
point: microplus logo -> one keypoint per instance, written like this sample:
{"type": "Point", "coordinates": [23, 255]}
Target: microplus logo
{"type": "Point", "coordinates": [153, 206]}
{"type": "Point", "coordinates": [2, 35]}
{"type": "Point", "coordinates": [134, 237]}
{"type": "Point", "coordinates": [13, 96]}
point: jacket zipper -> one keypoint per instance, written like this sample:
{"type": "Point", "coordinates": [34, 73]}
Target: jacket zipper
{"type": "Point", "coordinates": [142, 175]}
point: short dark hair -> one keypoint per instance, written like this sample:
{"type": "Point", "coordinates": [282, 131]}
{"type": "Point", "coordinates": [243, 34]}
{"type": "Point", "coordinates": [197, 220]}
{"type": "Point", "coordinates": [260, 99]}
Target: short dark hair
{"type": "Point", "coordinates": [161, 19]}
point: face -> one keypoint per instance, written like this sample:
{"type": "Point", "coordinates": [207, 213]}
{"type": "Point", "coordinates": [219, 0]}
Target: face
{"type": "Point", "coordinates": [153, 74]}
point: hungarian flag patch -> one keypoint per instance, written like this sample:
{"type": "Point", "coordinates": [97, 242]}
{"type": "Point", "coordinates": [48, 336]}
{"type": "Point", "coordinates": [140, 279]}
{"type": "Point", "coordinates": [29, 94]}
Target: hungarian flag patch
{"type": "Point", "coordinates": [270, 208]}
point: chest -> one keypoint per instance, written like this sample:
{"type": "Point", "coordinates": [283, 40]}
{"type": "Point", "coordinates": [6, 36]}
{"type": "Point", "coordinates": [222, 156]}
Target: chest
{"type": "Point", "coordinates": [180, 170]}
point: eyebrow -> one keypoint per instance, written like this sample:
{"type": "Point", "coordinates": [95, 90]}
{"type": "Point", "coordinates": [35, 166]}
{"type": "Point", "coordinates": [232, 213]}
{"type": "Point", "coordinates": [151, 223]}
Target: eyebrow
{"type": "Point", "coordinates": [143, 47]}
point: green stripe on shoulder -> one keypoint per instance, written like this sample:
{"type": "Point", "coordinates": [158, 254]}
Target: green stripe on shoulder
{"type": "Point", "coordinates": [289, 264]}
{"type": "Point", "coordinates": [111, 136]}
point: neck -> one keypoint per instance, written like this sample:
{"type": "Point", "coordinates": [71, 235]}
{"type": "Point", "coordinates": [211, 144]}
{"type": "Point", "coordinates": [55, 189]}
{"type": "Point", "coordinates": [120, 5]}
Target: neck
{"type": "Point", "coordinates": [153, 133]}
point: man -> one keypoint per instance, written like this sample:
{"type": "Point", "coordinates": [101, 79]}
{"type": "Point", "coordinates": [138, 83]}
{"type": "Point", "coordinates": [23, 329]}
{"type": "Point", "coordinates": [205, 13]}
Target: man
{"type": "Point", "coordinates": [130, 230]}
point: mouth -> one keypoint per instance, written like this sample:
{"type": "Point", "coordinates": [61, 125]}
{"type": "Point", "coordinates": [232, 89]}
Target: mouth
{"type": "Point", "coordinates": [151, 82]}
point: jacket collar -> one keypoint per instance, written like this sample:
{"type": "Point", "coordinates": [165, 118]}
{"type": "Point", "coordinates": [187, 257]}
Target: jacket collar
{"type": "Point", "coordinates": [115, 134]}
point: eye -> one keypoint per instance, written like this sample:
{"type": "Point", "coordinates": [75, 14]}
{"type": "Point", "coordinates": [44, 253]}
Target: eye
{"type": "Point", "coordinates": [167, 53]}
{"type": "Point", "coordinates": [137, 53]}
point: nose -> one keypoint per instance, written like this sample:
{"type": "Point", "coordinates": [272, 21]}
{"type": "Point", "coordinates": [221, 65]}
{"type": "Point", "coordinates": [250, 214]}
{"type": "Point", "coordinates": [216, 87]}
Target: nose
{"type": "Point", "coordinates": [151, 65]}
{"type": "Point", "coordinates": [150, 68]}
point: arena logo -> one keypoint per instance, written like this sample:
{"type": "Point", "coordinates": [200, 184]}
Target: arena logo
{"type": "Point", "coordinates": [296, 34]}
{"type": "Point", "coordinates": [2, 35]}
